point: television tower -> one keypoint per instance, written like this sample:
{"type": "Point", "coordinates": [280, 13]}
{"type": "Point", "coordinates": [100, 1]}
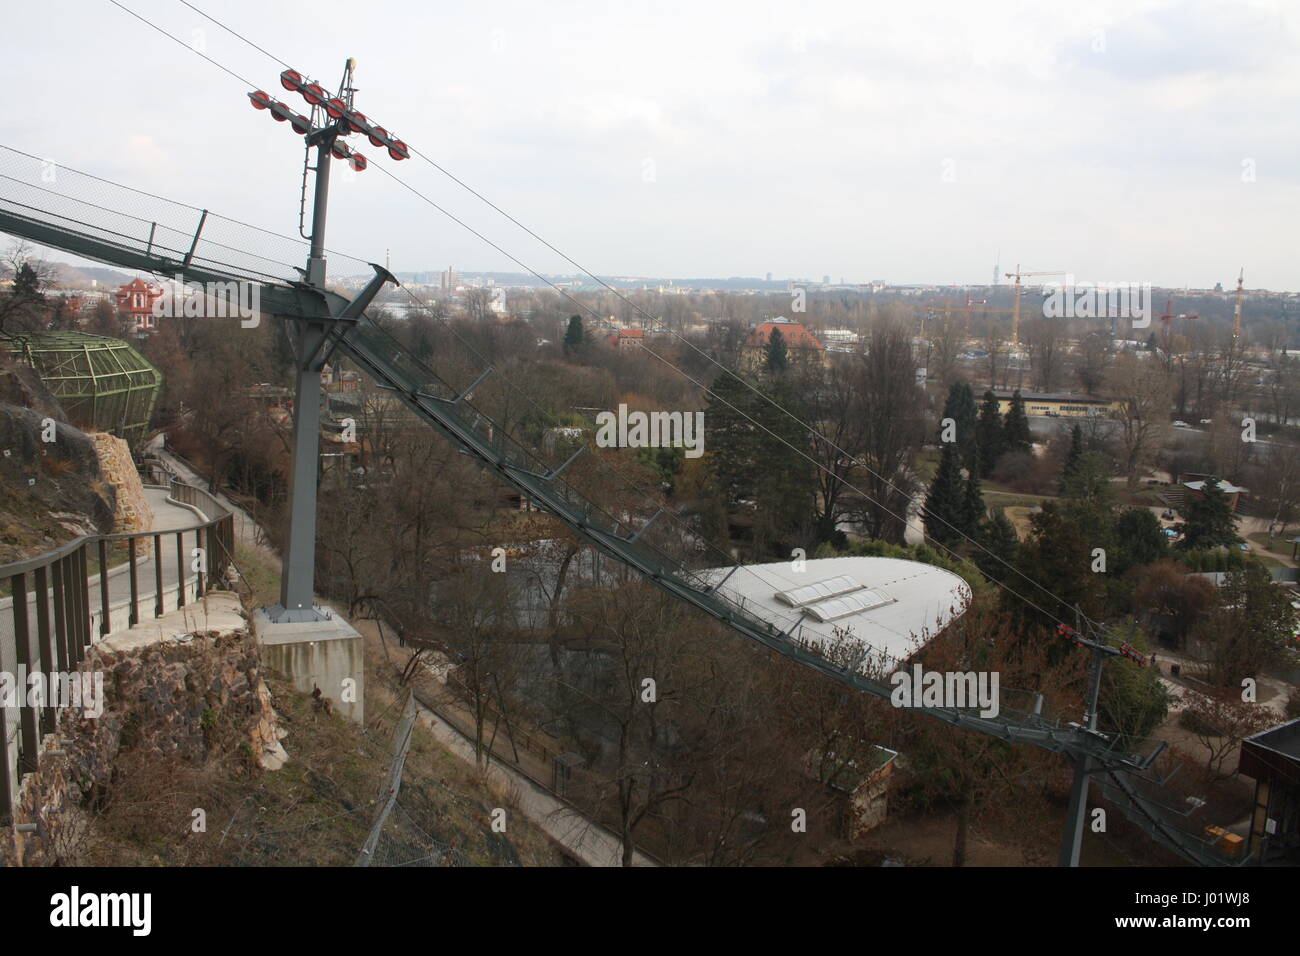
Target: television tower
{"type": "Point", "coordinates": [1236, 312]}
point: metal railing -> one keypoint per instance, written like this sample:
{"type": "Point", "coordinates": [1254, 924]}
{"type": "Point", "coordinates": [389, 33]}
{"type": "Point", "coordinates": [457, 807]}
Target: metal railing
{"type": "Point", "coordinates": [53, 614]}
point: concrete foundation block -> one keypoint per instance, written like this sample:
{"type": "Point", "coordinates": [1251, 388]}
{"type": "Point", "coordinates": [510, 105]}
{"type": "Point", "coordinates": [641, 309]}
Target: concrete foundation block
{"type": "Point", "coordinates": [326, 654]}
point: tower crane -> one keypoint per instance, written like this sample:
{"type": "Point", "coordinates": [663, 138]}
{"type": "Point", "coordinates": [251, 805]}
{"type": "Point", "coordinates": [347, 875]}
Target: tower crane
{"type": "Point", "coordinates": [1236, 312]}
{"type": "Point", "coordinates": [1168, 319]}
{"type": "Point", "coordinates": [1015, 314]}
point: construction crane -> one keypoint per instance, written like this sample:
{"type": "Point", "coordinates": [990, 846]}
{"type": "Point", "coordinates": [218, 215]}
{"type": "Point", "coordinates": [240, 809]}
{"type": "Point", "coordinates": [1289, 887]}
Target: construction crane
{"type": "Point", "coordinates": [1015, 314]}
{"type": "Point", "coordinates": [948, 306]}
{"type": "Point", "coordinates": [1168, 320]}
{"type": "Point", "coordinates": [1236, 313]}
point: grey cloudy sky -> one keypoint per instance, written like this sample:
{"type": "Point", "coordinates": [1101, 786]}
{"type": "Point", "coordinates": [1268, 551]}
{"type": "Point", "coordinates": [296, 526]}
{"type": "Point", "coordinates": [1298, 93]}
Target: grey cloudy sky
{"type": "Point", "coordinates": [1148, 141]}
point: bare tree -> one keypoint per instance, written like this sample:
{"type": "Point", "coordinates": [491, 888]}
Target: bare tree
{"type": "Point", "coordinates": [1044, 345]}
{"type": "Point", "coordinates": [1143, 397]}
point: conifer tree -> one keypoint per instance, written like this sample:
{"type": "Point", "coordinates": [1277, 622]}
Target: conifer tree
{"type": "Point", "coordinates": [1071, 466]}
{"type": "Point", "coordinates": [960, 407]}
{"type": "Point", "coordinates": [777, 359]}
{"type": "Point", "coordinates": [1210, 522]}
{"type": "Point", "coordinates": [944, 501]}
{"type": "Point", "coordinates": [1018, 437]}
{"type": "Point", "coordinates": [998, 537]}
{"type": "Point", "coordinates": [574, 335]}
{"type": "Point", "coordinates": [990, 436]}
{"type": "Point", "coordinates": [972, 506]}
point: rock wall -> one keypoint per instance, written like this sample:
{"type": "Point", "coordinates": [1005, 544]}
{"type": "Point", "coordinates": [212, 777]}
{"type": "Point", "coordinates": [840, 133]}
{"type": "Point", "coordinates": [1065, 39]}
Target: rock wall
{"type": "Point", "coordinates": [118, 468]}
{"type": "Point", "coordinates": [173, 699]}
{"type": "Point", "coordinates": [50, 492]}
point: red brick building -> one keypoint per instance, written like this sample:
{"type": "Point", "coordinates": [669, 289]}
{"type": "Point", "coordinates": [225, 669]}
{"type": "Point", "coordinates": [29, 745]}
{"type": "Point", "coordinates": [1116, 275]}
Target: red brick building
{"type": "Point", "coordinates": [136, 299]}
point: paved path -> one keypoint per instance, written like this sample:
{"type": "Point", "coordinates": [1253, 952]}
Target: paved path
{"type": "Point", "coordinates": [246, 529]}
{"type": "Point", "coordinates": [581, 837]}
{"type": "Point", "coordinates": [168, 517]}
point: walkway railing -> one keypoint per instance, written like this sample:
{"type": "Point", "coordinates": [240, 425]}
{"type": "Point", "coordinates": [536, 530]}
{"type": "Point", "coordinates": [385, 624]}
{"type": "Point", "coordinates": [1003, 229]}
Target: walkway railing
{"type": "Point", "coordinates": [53, 614]}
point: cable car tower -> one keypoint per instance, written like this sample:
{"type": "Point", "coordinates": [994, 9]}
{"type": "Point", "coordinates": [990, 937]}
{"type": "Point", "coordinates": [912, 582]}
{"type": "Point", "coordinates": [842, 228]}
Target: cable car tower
{"type": "Point", "coordinates": [332, 120]}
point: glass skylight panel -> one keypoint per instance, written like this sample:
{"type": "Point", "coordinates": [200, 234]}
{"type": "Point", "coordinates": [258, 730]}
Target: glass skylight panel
{"type": "Point", "coordinates": [847, 604]}
{"type": "Point", "coordinates": [818, 591]}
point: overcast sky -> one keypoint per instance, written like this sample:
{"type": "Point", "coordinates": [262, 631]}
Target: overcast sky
{"type": "Point", "coordinates": [910, 142]}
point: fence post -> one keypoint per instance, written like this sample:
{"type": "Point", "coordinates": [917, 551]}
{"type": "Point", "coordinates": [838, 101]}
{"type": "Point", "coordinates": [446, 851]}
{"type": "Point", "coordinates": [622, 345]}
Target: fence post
{"type": "Point", "coordinates": [198, 572]}
{"type": "Point", "coordinates": [180, 571]}
{"type": "Point", "coordinates": [45, 648]}
{"type": "Point", "coordinates": [82, 594]}
{"type": "Point", "coordinates": [5, 773]}
{"type": "Point", "coordinates": [157, 576]}
{"type": "Point", "coordinates": [104, 623]}
{"type": "Point", "coordinates": [28, 741]}
{"type": "Point", "coordinates": [57, 570]}
{"type": "Point", "coordinates": [134, 617]}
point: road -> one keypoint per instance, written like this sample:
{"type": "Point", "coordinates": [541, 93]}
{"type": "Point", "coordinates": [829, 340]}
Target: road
{"type": "Point", "coordinates": [1044, 426]}
{"type": "Point", "coordinates": [168, 517]}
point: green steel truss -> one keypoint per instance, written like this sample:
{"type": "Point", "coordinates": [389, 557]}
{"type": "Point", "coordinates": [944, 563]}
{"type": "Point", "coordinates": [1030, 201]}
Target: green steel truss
{"type": "Point", "coordinates": [101, 382]}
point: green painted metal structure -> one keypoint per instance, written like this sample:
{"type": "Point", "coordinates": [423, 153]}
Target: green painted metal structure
{"type": "Point", "coordinates": [103, 384]}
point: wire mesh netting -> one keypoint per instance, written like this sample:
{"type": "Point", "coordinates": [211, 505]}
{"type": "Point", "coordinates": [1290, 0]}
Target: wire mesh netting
{"type": "Point", "coordinates": [169, 235]}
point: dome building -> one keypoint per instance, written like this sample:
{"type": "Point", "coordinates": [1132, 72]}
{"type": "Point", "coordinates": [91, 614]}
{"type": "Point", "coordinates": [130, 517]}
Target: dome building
{"type": "Point", "coordinates": [103, 384]}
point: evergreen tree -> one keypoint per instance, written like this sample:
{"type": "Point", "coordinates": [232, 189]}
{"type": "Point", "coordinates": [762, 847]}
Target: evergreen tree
{"type": "Point", "coordinates": [777, 359]}
{"type": "Point", "coordinates": [27, 285]}
{"type": "Point", "coordinates": [731, 441]}
{"type": "Point", "coordinates": [944, 502]}
{"type": "Point", "coordinates": [998, 538]}
{"type": "Point", "coordinates": [1210, 522]}
{"type": "Point", "coordinates": [1089, 482]}
{"type": "Point", "coordinates": [786, 479]}
{"type": "Point", "coordinates": [752, 454]}
{"type": "Point", "coordinates": [1071, 459]}
{"type": "Point", "coordinates": [1253, 629]}
{"type": "Point", "coordinates": [1141, 539]}
{"type": "Point", "coordinates": [574, 336]}
{"type": "Point", "coordinates": [1057, 555]}
{"type": "Point", "coordinates": [990, 437]}
{"type": "Point", "coordinates": [960, 407]}
{"type": "Point", "coordinates": [1017, 433]}
{"type": "Point", "coordinates": [972, 506]}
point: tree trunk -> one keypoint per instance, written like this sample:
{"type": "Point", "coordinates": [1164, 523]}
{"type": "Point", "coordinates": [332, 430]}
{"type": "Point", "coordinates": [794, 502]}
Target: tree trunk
{"type": "Point", "coordinates": [963, 832]}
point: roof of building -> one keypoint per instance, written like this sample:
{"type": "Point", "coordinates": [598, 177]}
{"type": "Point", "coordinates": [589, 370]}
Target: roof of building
{"type": "Point", "coordinates": [1051, 397]}
{"type": "Point", "coordinates": [794, 334]}
{"type": "Point", "coordinates": [1283, 739]}
{"type": "Point", "coordinates": [139, 285]}
{"type": "Point", "coordinates": [1226, 487]}
{"type": "Point", "coordinates": [890, 605]}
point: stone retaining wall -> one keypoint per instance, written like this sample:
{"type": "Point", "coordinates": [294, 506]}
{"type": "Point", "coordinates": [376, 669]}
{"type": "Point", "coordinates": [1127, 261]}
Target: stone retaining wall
{"type": "Point", "coordinates": [115, 462]}
{"type": "Point", "coordinates": [165, 697]}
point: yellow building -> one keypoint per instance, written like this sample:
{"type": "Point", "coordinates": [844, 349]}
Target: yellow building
{"type": "Point", "coordinates": [1058, 405]}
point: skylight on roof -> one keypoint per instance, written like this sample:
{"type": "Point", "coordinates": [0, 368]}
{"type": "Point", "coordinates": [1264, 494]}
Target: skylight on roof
{"type": "Point", "coordinates": [847, 604]}
{"type": "Point", "coordinates": [818, 591]}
